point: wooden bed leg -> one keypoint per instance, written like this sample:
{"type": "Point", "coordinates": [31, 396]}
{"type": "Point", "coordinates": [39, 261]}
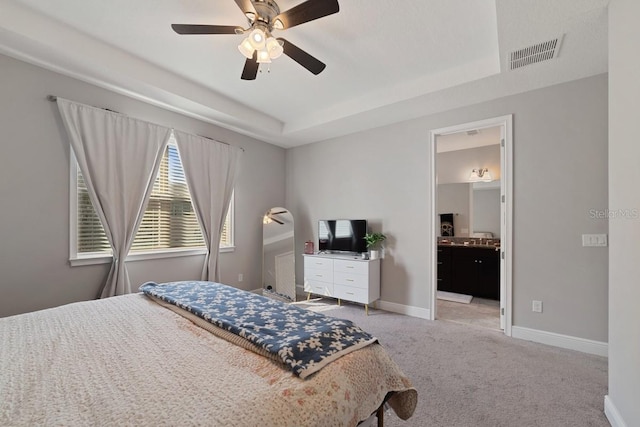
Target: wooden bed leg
{"type": "Point", "coordinates": [308, 296]}
{"type": "Point", "coordinates": [366, 309]}
{"type": "Point", "coordinates": [380, 415]}
{"type": "Point", "coordinates": [338, 301]}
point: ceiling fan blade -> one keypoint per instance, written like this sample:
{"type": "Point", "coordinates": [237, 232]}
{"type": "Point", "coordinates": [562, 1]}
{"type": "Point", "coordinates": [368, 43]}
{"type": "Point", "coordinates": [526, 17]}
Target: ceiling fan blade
{"type": "Point", "coordinates": [308, 11]}
{"type": "Point", "coordinates": [204, 29]}
{"type": "Point", "coordinates": [276, 220]}
{"type": "Point", "coordinates": [250, 70]}
{"type": "Point", "coordinates": [303, 58]}
{"type": "Point", "coordinates": [246, 6]}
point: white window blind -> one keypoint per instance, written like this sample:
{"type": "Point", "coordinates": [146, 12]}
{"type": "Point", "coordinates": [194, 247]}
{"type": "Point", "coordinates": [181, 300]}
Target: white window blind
{"type": "Point", "coordinates": [169, 221]}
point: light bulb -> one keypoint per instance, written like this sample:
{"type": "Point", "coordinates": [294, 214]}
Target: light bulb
{"type": "Point", "coordinates": [274, 48]}
{"type": "Point", "coordinates": [246, 48]}
{"type": "Point", "coordinates": [257, 38]}
{"type": "Point", "coordinates": [263, 56]}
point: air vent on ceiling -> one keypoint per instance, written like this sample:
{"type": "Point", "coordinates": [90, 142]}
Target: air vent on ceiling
{"type": "Point", "coordinates": [534, 54]}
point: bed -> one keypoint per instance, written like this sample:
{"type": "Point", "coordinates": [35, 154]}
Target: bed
{"type": "Point", "coordinates": [140, 360]}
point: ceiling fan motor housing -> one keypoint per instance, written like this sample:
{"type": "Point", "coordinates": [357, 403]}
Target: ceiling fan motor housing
{"type": "Point", "coordinates": [266, 11]}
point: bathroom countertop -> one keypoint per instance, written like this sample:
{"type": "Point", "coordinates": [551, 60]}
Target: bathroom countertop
{"type": "Point", "coordinates": [470, 245]}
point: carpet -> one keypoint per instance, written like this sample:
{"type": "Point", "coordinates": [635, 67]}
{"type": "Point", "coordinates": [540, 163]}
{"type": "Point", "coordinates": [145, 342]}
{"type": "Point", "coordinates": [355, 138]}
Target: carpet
{"type": "Point", "coordinates": [468, 376]}
{"type": "Point", "coordinates": [451, 296]}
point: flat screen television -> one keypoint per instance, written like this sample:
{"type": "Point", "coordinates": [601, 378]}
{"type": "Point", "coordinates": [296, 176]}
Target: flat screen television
{"type": "Point", "coordinates": [342, 235]}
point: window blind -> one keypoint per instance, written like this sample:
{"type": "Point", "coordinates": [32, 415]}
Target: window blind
{"type": "Point", "coordinates": [169, 220]}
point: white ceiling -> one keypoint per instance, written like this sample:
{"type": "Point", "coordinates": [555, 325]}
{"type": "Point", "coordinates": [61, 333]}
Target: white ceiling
{"type": "Point", "coordinates": [387, 61]}
{"type": "Point", "coordinates": [467, 140]}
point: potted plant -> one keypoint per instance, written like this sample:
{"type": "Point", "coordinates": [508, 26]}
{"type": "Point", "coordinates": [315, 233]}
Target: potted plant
{"type": "Point", "coordinates": [373, 241]}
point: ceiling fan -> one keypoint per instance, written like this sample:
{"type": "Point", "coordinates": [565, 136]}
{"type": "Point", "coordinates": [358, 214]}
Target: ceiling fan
{"type": "Point", "coordinates": [260, 46]}
{"type": "Point", "coordinates": [271, 216]}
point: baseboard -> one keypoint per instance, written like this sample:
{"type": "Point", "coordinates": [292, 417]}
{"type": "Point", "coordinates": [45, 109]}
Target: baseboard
{"type": "Point", "coordinates": [422, 313]}
{"type": "Point", "coordinates": [612, 414]}
{"type": "Point", "coordinates": [558, 340]}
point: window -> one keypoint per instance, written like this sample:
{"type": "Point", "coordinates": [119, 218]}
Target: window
{"type": "Point", "coordinates": [169, 224]}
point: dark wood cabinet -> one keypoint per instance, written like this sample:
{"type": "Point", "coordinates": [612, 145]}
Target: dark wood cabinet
{"type": "Point", "coordinates": [469, 270]}
{"type": "Point", "coordinates": [445, 270]}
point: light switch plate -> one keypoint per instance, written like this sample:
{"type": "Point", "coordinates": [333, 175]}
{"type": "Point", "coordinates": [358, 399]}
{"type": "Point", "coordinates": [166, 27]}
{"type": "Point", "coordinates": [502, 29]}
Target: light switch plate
{"type": "Point", "coordinates": [594, 240]}
{"type": "Point", "coordinates": [536, 306]}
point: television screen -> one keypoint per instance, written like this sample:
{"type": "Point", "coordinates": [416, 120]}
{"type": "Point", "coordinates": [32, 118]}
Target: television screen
{"type": "Point", "coordinates": [342, 235]}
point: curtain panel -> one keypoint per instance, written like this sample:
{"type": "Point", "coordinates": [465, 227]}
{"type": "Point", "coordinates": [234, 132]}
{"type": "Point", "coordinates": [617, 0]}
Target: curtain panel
{"type": "Point", "coordinates": [211, 169]}
{"type": "Point", "coordinates": [119, 158]}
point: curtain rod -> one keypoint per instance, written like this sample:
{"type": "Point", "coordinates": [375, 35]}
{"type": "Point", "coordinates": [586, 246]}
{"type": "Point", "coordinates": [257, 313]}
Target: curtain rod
{"type": "Point", "coordinates": [54, 98]}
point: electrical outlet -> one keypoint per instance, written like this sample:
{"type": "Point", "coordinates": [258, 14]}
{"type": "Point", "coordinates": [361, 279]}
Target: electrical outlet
{"type": "Point", "coordinates": [240, 277]}
{"type": "Point", "coordinates": [537, 306]}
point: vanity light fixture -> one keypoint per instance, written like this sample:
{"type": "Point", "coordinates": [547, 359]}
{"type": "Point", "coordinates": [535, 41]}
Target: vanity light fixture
{"type": "Point", "coordinates": [480, 175]}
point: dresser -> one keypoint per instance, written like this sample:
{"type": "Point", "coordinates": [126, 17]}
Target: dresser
{"type": "Point", "coordinates": [343, 277]}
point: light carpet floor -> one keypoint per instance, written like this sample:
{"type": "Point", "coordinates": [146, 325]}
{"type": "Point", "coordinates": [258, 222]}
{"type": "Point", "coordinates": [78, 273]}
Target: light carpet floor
{"type": "Point", "coordinates": [467, 376]}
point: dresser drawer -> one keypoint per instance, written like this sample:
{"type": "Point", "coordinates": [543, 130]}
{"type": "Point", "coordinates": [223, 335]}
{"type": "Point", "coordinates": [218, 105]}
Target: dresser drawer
{"type": "Point", "coordinates": [350, 279]}
{"type": "Point", "coordinates": [318, 275]}
{"type": "Point", "coordinates": [319, 288]}
{"type": "Point", "coordinates": [350, 293]}
{"type": "Point", "coordinates": [348, 266]}
{"type": "Point", "coordinates": [317, 263]}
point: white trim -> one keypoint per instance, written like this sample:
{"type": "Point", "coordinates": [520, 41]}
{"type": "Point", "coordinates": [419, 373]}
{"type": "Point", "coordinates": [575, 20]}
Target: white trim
{"type": "Point", "coordinates": [506, 158]}
{"type": "Point", "coordinates": [232, 222]}
{"type": "Point", "coordinates": [408, 310]}
{"type": "Point", "coordinates": [612, 414]}
{"type": "Point", "coordinates": [101, 258]}
{"type": "Point", "coordinates": [564, 341]}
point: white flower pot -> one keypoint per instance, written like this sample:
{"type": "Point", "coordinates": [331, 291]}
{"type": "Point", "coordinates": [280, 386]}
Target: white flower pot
{"type": "Point", "coordinates": [374, 254]}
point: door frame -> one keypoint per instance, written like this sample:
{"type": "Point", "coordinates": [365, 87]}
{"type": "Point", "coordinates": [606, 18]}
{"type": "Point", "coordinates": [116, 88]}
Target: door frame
{"type": "Point", "coordinates": [506, 212]}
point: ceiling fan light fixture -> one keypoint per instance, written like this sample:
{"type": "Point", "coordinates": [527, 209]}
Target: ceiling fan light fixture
{"type": "Point", "coordinates": [257, 38]}
{"type": "Point", "coordinates": [263, 57]}
{"type": "Point", "coordinates": [278, 25]}
{"type": "Point", "coordinates": [274, 48]}
{"type": "Point", "coordinates": [246, 48]}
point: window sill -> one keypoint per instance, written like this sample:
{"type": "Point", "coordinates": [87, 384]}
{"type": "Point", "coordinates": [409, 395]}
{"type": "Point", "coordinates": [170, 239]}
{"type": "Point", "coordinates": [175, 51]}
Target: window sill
{"type": "Point", "coordinates": [95, 259]}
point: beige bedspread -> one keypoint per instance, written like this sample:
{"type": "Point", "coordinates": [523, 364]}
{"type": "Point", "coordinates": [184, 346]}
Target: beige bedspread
{"type": "Point", "coordinates": [128, 361]}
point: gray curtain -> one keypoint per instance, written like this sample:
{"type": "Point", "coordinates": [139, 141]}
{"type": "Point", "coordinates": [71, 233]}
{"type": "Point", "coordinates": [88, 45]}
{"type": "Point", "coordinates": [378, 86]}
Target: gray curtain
{"type": "Point", "coordinates": [119, 158]}
{"type": "Point", "coordinates": [210, 168]}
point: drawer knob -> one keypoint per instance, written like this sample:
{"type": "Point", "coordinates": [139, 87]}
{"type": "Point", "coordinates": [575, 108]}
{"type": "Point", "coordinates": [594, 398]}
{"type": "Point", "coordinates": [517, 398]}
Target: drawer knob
{"type": "Point", "coordinates": [350, 293]}
{"type": "Point", "coordinates": [349, 280]}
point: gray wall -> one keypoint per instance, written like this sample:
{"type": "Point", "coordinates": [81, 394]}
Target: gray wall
{"type": "Point", "coordinates": [34, 189]}
{"type": "Point", "coordinates": [382, 175]}
{"type": "Point", "coordinates": [454, 198]}
{"type": "Point", "coordinates": [486, 211]}
{"type": "Point", "coordinates": [624, 176]}
{"type": "Point", "coordinates": [456, 166]}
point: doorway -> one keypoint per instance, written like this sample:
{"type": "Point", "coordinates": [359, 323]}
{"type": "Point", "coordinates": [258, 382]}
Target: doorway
{"type": "Point", "coordinates": [503, 126]}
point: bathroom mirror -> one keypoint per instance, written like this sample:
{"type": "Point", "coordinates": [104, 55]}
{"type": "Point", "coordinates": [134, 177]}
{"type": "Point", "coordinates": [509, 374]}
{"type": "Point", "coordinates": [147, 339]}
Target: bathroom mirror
{"type": "Point", "coordinates": [278, 255]}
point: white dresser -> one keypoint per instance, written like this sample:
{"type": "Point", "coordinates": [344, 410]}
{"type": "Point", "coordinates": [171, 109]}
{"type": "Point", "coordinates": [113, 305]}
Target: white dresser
{"type": "Point", "coordinates": [343, 277]}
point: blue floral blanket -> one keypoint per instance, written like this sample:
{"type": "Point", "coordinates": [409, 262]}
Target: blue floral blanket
{"type": "Point", "coordinates": [303, 340]}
